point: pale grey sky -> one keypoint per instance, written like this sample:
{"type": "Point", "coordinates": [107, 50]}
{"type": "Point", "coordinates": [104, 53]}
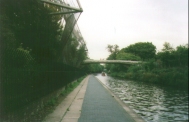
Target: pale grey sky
{"type": "Point", "coordinates": [125, 22]}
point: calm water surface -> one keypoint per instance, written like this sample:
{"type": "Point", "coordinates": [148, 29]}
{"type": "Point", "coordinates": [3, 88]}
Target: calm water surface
{"type": "Point", "coordinates": [153, 103]}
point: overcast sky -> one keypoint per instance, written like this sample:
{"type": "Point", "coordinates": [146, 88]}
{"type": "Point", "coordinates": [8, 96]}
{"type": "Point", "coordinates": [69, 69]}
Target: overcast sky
{"type": "Point", "coordinates": [125, 22]}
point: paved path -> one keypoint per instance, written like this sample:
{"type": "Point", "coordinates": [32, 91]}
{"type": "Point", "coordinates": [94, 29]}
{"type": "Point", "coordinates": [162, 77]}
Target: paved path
{"type": "Point", "coordinates": [92, 101]}
{"type": "Point", "coordinates": [100, 106]}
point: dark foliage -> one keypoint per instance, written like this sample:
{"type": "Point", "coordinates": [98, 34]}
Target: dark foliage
{"type": "Point", "coordinates": [169, 67]}
{"type": "Point", "coordinates": [145, 50]}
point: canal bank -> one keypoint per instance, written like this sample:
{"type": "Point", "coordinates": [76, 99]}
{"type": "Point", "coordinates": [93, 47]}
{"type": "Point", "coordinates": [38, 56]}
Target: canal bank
{"type": "Point", "coordinates": [92, 101]}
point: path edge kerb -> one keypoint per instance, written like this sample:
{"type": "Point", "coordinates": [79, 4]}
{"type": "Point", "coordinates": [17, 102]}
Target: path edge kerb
{"type": "Point", "coordinates": [125, 106]}
{"type": "Point", "coordinates": [61, 109]}
{"type": "Point", "coordinates": [83, 82]}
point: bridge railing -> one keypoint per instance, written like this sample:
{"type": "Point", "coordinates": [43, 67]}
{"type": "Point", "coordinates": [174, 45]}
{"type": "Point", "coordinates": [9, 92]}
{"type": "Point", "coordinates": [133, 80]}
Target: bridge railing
{"type": "Point", "coordinates": [112, 61]}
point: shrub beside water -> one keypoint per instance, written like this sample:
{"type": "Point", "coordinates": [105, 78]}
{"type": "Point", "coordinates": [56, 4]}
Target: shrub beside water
{"type": "Point", "coordinates": [174, 77]}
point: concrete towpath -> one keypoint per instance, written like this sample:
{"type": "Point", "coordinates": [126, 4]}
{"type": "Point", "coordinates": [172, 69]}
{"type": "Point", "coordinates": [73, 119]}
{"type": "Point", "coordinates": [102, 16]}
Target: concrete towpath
{"type": "Point", "coordinates": [92, 101]}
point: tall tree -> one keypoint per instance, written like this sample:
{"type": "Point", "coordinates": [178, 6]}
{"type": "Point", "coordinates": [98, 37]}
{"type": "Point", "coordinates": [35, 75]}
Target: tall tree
{"type": "Point", "coordinates": [116, 48]}
{"type": "Point", "coordinates": [127, 56]}
{"type": "Point", "coordinates": [171, 57]}
{"type": "Point", "coordinates": [32, 25]}
{"type": "Point", "coordinates": [182, 55]}
{"type": "Point", "coordinates": [145, 50]}
{"type": "Point", "coordinates": [167, 47]}
{"type": "Point", "coordinates": [74, 53]}
{"type": "Point", "coordinates": [113, 49]}
{"type": "Point", "coordinates": [110, 48]}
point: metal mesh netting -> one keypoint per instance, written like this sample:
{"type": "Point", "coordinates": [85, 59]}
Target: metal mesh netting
{"type": "Point", "coordinates": [69, 10]}
{"type": "Point", "coordinates": [77, 34]}
{"type": "Point", "coordinates": [23, 80]}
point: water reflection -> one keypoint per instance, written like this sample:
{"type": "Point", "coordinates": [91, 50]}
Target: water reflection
{"type": "Point", "coordinates": [151, 102]}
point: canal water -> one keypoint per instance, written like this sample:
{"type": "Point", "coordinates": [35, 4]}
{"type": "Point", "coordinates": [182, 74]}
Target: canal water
{"type": "Point", "coordinates": [153, 103]}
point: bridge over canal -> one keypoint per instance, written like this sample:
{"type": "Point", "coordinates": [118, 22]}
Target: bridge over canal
{"type": "Point", "coordinates": [112, 61]}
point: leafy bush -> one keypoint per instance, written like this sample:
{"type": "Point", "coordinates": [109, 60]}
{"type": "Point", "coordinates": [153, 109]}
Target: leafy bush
{"type": "Point", "coordinates": [127, 56]}
{"type": "Point", "coordinates": [168, 67]}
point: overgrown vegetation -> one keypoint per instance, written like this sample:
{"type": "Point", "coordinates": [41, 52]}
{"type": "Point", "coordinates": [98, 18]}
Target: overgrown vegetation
{"type": "Point", "coordinates": [168, 67]}
{"type": "Point", "coordinates": [30, 26]}
{"type": "Point", "coordinates": [50, 105]}
{"type": "Point", "coordinates": [69, 88]}
{"type": "Point", "coordinates": [33, 61]}
{"type": "Point", "coordinates": [27, 24]}
{"type": "Point", "coordinates": [93, 68]}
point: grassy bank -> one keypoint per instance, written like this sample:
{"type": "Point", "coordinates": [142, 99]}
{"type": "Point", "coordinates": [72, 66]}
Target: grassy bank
{"type": "Point", "coordinates": [172, 77]}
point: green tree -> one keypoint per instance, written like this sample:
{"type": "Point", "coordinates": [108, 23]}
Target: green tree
{"type": "Point", "coordinates": [182, 55]}
{"type": "Point", "coordinates": [81, 55]}
{"type": "Point", "coordinates": [93, 68]}
{"type": "Point", "coordinates": [113, 48]}
{"type": "Point", "coordinates": [112, 56]}
{"type": "Point", "coordinates": [7, 36]}
{"type": "Point", "coordinates": [31, 24]}
{"type": "Point", "coordinates": [127, 56]}
{"type": "Point", "coordinates": [165, 57]}
{"type": "Point", "coordinates": [173, 57]}
{"type": "Point", "coordinates": [110, 48]}
{"type": "Point", "coordinates": [116, 48]}
{"type": "Point", "coordinates": [167, 47]}
{"type": "Point", "coordinates": [145, 50]}
{"type": "Point", "coordinates": [74, 53]}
